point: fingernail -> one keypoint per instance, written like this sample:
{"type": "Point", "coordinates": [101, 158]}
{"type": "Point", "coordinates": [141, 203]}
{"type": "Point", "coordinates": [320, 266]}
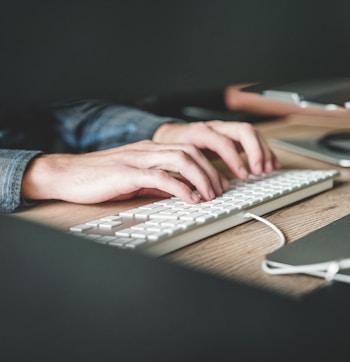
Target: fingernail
{"type": "Point", "coordinates": [258, 168]}
{"type": "Point", "coordinates": [218, 190]}
{"type": "Point", "coordinates": [211, 194]}
{"type": "Point", "coordinates": [225, 184]}
{"type": "Point", "coordinates": [268, 166]}
{"type": "Point", "coordinates": [195, 196]}
{"type": "Point", "coordinates": [243, 172]}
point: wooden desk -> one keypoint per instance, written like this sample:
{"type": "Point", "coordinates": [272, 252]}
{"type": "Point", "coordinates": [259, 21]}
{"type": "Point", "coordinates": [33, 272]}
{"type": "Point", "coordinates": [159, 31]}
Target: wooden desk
{"type": "Point", "coordinates": [237, 253]}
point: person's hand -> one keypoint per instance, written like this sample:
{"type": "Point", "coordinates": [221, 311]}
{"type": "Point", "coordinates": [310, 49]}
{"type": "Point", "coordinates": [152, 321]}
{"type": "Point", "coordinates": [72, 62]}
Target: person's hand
{"type": "Point", "coordinates": [227, 140]}
{"type": "Point", "coordinates": [121, 173]}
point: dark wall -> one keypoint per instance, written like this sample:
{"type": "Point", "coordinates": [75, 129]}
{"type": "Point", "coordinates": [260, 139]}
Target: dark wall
{"type": "Point", "coordinates": [124, 48]}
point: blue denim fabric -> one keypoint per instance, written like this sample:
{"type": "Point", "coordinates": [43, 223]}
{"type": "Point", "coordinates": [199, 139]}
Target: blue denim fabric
{"type": "Point", "coordinates": [80, 126]}
{"type": "Point", "coordinates": [12, 166]}
{"type": "Point", "coordinates": [94, 125]}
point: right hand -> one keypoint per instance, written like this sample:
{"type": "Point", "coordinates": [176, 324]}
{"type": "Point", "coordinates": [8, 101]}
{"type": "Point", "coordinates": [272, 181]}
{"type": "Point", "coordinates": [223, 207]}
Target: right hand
{"type": "Point", "coordinates": [121, 173]}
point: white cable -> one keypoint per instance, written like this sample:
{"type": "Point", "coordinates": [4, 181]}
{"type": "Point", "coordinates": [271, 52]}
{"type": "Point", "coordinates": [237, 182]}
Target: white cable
{"type": "Point", "coordinates": [329, 268]}
{"type": "Point", "coordinates": [295, 269]}
{"type": "Point", "coordinates": [270, 224]}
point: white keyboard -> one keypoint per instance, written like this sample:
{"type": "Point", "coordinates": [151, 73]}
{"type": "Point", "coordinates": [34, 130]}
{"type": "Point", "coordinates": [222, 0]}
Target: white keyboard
{"type": "Point", "coordinates": [167, 225]}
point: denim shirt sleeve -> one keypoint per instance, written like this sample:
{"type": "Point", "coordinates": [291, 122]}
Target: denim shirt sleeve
{"type": "Point", "coordinates": [82, 126]}
{"type": "Point", "coordinates": [92, 125]}
{"type": "Point", "coordinates": [12, 166]}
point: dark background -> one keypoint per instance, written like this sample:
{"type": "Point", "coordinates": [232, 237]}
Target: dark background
{"type": "Point", "coordinates": [55, 50]}
{"type": "Point", "coordinates": [63, 49]}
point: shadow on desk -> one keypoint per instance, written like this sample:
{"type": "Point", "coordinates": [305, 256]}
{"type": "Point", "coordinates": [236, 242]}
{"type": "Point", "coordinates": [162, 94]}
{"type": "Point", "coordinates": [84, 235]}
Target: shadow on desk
{"type": "Point", "coordinates": [64, 298]}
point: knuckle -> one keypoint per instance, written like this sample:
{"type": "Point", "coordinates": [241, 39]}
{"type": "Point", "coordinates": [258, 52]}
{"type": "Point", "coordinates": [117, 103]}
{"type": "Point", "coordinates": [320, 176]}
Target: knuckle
{"type": "Point", "coordinates": [190, 150]}
{"type": "Point", "coordinates": [181, 155]}
{"type": "Point", "coordinates": [161, 175]}
{"type": "Point", "coordinates": [227, 142]}
{"type": "Point", "coordinates": [248, 127]}
{"type": "Point", "coordinates": [146, 142]}
{"type": "Point", "coordinates": [200, 126]}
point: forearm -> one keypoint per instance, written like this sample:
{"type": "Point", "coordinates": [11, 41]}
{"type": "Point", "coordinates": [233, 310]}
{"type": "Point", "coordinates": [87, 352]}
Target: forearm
{"type": "Point", "coordinates": [13, 164]}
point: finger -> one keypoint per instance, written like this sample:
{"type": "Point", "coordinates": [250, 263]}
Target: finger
{"type": "Point", "coordinates": [176, 161]}
{"type": "Point", "coordinates": [249, 141]}
{"type": "Point", "coordinates": [260, 157]}
{"type": "Point", "coordinates": [270, 160]}
{"type": "Point", "coordinates": [161, 180]}
{"type": "Point", "coordinates": [143, 192]}
{"type": "Point", "coordinates": [206, 137]}
{"type": "Point", "coordinates": [218, 181]}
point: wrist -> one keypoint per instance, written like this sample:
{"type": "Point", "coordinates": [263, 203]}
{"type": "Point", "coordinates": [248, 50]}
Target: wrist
{"type": "Point", "coordinates": [166, 133]}
{"type": "Point", "coordinates": [37, 182]}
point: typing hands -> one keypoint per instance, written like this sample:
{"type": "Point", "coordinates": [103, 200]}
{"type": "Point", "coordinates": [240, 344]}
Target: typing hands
{"type": "Point", "coordinates": [153, 167]}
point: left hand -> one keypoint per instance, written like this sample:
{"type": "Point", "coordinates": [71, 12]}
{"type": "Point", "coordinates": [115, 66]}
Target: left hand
{"type": "Point", "coordinates": [227, 140]}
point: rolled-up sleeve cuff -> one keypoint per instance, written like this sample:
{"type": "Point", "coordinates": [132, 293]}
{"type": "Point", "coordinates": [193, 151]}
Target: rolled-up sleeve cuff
{"type": "Point", "coordinates": [13, 163]}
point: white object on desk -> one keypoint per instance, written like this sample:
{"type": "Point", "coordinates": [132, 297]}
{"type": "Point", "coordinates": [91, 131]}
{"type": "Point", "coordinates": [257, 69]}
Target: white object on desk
{"type": "Point", "coordinates": [167, 225]}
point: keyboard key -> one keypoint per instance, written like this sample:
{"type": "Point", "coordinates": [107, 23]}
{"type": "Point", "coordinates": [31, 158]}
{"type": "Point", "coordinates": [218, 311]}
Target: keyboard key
{"type": "Point", "coordinates": [81, 228]}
